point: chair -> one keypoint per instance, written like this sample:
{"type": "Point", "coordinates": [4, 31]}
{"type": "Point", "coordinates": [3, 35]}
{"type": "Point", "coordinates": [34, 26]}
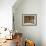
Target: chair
{"type": "Point", "coordinates": [18, 39]}
{"type": "Point", "coordinates": [29, 43]}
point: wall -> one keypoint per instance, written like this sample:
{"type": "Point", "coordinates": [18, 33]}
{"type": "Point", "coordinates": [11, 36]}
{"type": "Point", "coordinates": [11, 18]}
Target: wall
{"type": "Point", "coordinates": [43, 22]}
{"type": "Point", "coordinates": [29, 32]}
{"type": "Point", "coordinates": [6, 18]}
{"type": "Point", "coordinates": [6, 13]}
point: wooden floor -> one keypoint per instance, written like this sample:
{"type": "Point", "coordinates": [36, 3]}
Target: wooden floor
{"type": "Point", "coordinates": [13, 41]}
{"type": "Point", "coordinates": [9, 43]}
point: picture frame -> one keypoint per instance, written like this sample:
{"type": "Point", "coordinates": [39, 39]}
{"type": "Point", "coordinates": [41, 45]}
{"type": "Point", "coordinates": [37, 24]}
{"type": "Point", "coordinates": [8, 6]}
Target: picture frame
{"type": "Point", "coordinates": [29, 19]}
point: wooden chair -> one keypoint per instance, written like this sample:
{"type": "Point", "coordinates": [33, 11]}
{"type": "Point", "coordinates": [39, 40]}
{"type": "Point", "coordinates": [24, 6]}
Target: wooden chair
{"type": "Point", "coordinates": [29, 43]}
{"type": "Point", "coordinates": [18, 39]}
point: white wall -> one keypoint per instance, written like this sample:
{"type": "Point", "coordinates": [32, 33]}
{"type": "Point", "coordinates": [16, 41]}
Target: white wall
{"type": "Point", "coordinates": [6, 18]}
{"type": "Point", "coordinates": [31, 32]}
{"type": "Point", "coordinates": [6, 13]}
{"type": "Point", "coordinates": [43, 22]}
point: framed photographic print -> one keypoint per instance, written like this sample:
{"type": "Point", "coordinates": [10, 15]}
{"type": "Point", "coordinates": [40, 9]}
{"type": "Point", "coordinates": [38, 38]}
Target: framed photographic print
{"type": "Point", "coordinates": [29, 19]}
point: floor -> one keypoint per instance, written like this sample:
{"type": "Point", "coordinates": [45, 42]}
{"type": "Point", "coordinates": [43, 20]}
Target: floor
{"type": "Point", "coordinates": [12, 42]}
{"type": "Point", "coordinates": [9, 43]}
